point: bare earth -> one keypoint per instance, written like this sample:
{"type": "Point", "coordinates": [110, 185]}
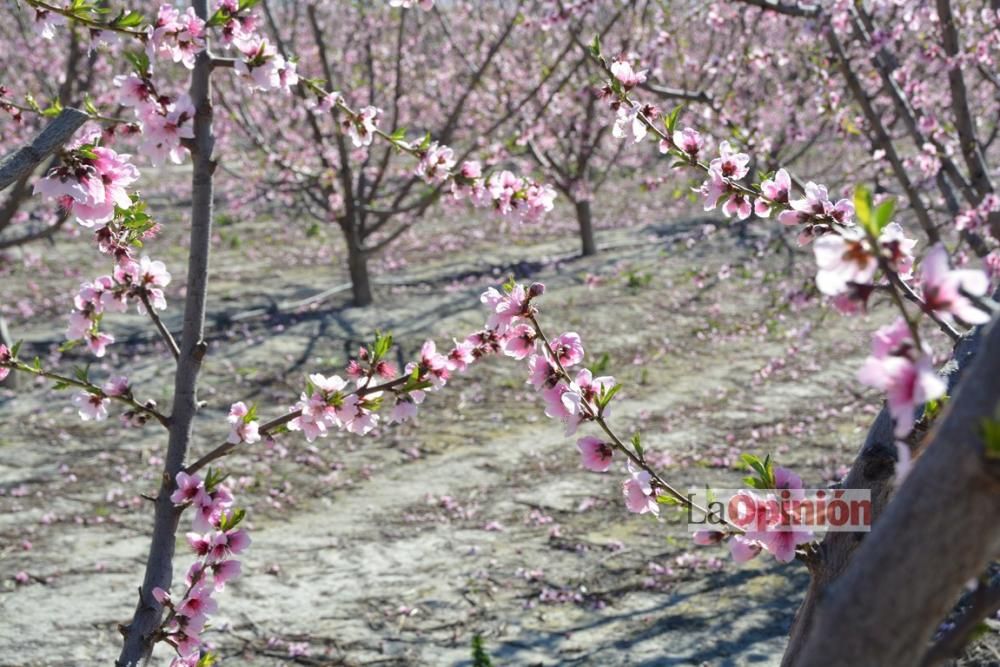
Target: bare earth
{"type": "Point", "coordinates": [397, 549]}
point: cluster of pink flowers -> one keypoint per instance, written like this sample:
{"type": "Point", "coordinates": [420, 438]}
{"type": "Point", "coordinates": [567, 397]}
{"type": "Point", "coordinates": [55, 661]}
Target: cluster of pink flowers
{"type": "Point", "coordinates": [506, 193]}
{"type": "Point", "coordinates": [847, 262]}
{"type": "Point", "coordinates": [902, 370]}
{"type": "Point", "coordinates": [142, 280]}
{"type": "Point", "coordinates": [165, 122]}
{"type": "Point", "coordinates": [328, 403]}
{"type": "Point", "coordinates": [215, 540]}
{"type": "Point", "coordinates": [436, 163]}
{"type": "Point", "coordinates": [776, 534]}
{"type": "Point", "coordinates": [179, 36]}
{"type": "Point", "coordinates": [242, 425]}
{"type": "Point", "coordinates": [572, 400]}
{"type": "Point", "coordinates": [975, 218]}
{"type": "Point", "coordinates": [90, 183]}
{"type": "Point", "coordinates": [264, 67]}
{"type": "Point", "coordinates": [361, 127]}
{"type": "Point", "coordinates": [238, 26]}
{"type": "Point", "coordinates": [628, 77]}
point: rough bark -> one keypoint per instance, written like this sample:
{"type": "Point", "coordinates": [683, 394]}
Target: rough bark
{"type": "Point", "coordinates": [140, 633]}
{"type": "Point", "coordinates": [584, 217]}
{"type": "Point", "coordinates": [938, 532]}
{"type": "Point", "coordinates": [873, 469]}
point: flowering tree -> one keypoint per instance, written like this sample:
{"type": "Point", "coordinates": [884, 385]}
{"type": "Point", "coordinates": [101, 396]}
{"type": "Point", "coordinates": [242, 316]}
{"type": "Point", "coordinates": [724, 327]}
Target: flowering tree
{"type": "Point", "coordinates": [328, 175]}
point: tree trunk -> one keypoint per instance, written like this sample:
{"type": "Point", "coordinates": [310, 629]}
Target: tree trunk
{"type": "Point", "coordinates": [357, 265]}
{"type": "Point", "coordinates": [936, 534]}
{"type": "Point", "coordinates": [873, 469]}
{"type": "Point", "coordinates": [140, 633]}
{"type": "Point", "coordinates": [584, 217]}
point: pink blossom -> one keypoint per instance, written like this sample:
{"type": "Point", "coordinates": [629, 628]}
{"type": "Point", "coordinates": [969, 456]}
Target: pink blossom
{"type": "Point", "coordinates": [197, 602]}
{"type": "Point", "coordinates": [629, 118]}
{"type": "Point", "coordinates": [506, 307]}
{"type": "Point", "coordinates": [595, 453]}
{"type": "Point", "coordinates": [542, 373]}
{"type": "Point", "coordinates": [781, 541]}
{"type": "Point", "coordinates": [116, 386]}
{"type": "Point", "coordinates": [843, 259]}
{"type": "Point", "coordinates": [436, 164]}
{"type": "Point", "coordinates": [944, 290]}
{"type": "Point", "coordinates": [46, 22]}
{"type": "Point", "coordinates": [743, 549]}
{"type": "Point", "coordinates": [404, 409]}
{"type": "Point", "coordinates": [519, 341]}
{"type": "Point", "coordinates": [224, 572]}
{"type": "Point", "coordinates": [897, 249]}
{"type": "Point", "coordinates": [738, 204]}
{"type": "Point", "coordinates": [638, 492]}
{"type": "Point", "coordinates": [5, 358]}
{"type": "Point", "coordinates": [730, 164]}
{"type": "Point", "coordinates": [786, 479]}
{"type": "Point", "coordinates": [189, 489]}
{"type": "Point", "coordinates": [133, 91]}
{"type": "Point", "coordinates": [241, 429]}
{"type": "Point", "coordinates": [361, 128]}
{"type": "Point", "coordinates": [628, 77]}
{"type": "Point", "coordinates": [775, 191]}
{"type": "Point", "coordinates": [567, 348]}
{"type": "Point", "coordinates": [91, 406]}
{"type": "Point", "coordinates": [165, 130]}
{"type": "Point", "coordinates": [903, 372]}
{"type": "Point", "coordinates": [707, 537]}
{"type": "Point", "coordinates": [689, 141]}
{"type": "Point", "coordinates": [712, 189]}
{"type": "Point", "coordinates": [98, 342]}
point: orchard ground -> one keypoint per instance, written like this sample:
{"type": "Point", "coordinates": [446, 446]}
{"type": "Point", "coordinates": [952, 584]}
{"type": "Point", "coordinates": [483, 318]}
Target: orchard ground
{"type": "Point", "coordinates": [396, 548]}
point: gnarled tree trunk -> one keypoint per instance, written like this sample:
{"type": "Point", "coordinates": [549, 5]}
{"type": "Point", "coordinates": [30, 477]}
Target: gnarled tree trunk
{"type": "Point", "coordinates": [585, 219]}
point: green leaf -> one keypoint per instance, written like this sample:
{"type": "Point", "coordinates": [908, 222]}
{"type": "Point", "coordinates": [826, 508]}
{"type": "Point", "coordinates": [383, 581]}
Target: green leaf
{"type": "Point", "coordinates": [606, 396]}
{"type": "Point", "coordinates": [53, 109]}
{"type": "Point", "coordinates": [883, 214]}
{"type": "Point", "coordinates": [382, 345]}
{"type": "Point", "coordinates": [637, 443]}
{"type": "Point", "coordinates": [139, 61]}
{"type": "Point", "coordinates": [667, 500]}
{"type": "Point", "coordinates": [208, 660]}
{"type": "Point", "coordinates": [595, 46]}
{"type": "Point", "coordinates": [127, 19]}
{"type": "Point", "coordinates": [398, 135]}
{"type": "Point", "coordinates": [88, 105]}
{"type": "Point", "coordinates": [670, 120]}
{"type": "Point", "coordinates": [863, 208]}
{"type": "Point", "coordinates": [14, 350]}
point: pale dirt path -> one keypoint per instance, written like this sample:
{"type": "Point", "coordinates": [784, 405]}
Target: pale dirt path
{"type": "Point", "coordinates": [372, 571]}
